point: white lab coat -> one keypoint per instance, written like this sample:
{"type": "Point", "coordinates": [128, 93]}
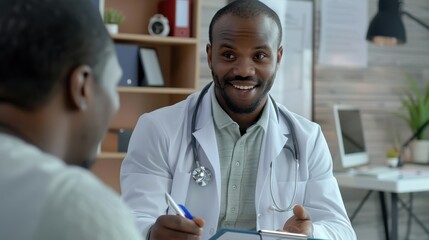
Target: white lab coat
{"type": "Point", "coordinates": [160, 160]}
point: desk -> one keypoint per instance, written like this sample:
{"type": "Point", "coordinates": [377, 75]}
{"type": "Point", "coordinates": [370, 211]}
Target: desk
{"type": "Point", "coordinates": [412, 178]}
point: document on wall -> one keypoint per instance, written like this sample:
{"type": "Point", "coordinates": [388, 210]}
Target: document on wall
{"type": "Point", "coordinates": [343, 26]}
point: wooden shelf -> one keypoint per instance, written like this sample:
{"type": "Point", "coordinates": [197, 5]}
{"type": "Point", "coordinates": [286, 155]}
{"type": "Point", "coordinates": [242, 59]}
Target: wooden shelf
{"type": "Point", "coordinates": [111, 155]}
{"type": "Point", "coordinates": [156, 90]}
{"type": "Point", "coordinates": [139, 38]}
{"type": "Point", "coordinates": [179, 60]}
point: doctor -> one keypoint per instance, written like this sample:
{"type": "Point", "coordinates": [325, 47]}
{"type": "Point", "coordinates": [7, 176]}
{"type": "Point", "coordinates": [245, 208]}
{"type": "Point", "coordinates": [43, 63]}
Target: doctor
{"type": "Point", "coordinates": [233, 156]}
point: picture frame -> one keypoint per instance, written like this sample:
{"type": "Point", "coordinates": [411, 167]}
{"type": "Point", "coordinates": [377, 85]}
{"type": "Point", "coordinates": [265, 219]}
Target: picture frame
{"type": "Point", "coordinates": [152, 74]}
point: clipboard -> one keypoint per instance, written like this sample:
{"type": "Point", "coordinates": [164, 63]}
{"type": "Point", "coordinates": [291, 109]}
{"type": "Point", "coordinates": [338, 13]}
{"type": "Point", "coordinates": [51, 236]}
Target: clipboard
{"type": "Point", "coordinates": [237, 234]}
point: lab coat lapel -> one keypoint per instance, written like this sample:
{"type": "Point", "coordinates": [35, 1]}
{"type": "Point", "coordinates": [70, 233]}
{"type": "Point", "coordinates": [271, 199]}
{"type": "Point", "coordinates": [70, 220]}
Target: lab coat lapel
{"type": "Point", "coordinates": [205, 137]}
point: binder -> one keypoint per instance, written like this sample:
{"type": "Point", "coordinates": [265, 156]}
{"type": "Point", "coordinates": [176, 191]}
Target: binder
{"type": "Point", "coordinates": [152, 75]}
{"type": "Point", "coordinates": [124, 136]}
{"type": "Point", "coordinates": [116, 140]}
{"type": "Point", "coordinates": [128, 57]}
{"type": "Point", "coordinates": [178, 13]}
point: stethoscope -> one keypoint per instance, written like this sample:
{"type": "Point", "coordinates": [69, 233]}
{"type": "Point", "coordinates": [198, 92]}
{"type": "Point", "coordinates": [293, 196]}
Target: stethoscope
{"type": "Point", "coordinates": [202, 175]}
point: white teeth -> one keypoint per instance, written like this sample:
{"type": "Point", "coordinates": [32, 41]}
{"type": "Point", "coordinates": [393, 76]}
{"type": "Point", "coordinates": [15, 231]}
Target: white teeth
{"type": "Point", "coordinates": [243, 87]}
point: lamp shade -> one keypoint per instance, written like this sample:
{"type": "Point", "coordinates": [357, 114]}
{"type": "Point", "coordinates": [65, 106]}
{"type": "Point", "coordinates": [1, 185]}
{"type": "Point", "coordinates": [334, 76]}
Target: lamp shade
{"type": "Point", "coordinates": [386, 28]}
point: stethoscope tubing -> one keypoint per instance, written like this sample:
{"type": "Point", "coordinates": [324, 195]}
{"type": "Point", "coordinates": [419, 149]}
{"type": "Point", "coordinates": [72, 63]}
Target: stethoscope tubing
{"type": "Point", "coordinates": [202, 175]}
{"type": "Point", "coordinates": [275, 205]}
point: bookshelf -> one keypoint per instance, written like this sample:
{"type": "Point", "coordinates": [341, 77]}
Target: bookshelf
{"type": "Point", "coordinates": [179, 61]}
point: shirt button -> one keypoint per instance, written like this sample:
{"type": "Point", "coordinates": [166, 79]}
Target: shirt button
{"type": "Point", "coordinates": [211, 230]}
{"type": "Point", "coordinates": [233, 209]}
{"type": "Point", "coordinates": [237, 164]}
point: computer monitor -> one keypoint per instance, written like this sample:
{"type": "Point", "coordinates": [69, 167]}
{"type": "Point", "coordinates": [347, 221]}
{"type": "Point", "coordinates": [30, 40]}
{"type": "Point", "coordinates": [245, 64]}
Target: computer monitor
{"type": "Point", "coordinates": [351, 142]}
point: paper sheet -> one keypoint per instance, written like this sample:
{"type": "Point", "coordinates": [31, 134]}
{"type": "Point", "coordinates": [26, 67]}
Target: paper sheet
{"type": "Point", "coordinates": [342, 33]}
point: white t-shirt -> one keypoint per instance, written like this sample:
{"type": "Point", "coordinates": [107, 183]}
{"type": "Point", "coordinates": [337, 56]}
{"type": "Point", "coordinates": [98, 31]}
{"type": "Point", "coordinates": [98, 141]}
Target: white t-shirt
{"type": "Point", "coordinates": [42, 198]}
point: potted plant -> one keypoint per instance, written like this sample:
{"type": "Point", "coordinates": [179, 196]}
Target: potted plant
{"type": "Point", "coordinates": [112, 19]}
{"type": "Point", "coordinates": [392, 154]}
{"type": "Point", "coordinates": [416, 104]}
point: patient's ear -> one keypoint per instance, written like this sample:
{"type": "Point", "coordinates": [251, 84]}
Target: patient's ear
{"type": "Point", "coordinates": [209, 55]}
{"type": "Point", "coordinates": [79, 87]}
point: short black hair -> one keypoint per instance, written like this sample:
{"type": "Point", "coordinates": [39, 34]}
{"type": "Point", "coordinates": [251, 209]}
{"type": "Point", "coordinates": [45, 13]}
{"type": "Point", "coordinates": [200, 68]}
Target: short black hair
{"type": "Point", "coordinates": [42, 41]}
{"type": "Point", "coordinates": [246, 9]}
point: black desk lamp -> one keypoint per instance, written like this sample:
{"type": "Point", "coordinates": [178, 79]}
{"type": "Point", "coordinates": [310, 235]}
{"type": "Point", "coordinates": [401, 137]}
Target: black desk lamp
{"type": "Point", "coordinates": [386, 28]}
{"type": "Point", "coordinates": [405, 145]}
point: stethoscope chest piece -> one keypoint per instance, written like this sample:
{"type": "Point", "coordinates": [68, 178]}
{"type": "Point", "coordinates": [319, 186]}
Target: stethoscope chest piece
{"type": "Point", "coordinates": [201, 175]}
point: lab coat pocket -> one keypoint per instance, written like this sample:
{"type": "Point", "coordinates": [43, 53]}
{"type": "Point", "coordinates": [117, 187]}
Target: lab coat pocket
{"type": "Point", "coordinates": [284, 197]}
{"type": "Point", "coordinates": [284, 193]}
{"type": "Point", "coordinates": [179, 187]}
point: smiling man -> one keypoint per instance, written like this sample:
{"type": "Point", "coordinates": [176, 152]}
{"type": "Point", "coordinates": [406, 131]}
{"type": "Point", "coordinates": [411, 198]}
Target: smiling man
{"type": "Point", "coordinates": [244, 56]}
{"type": "Point", "coordinates": [230, 153]}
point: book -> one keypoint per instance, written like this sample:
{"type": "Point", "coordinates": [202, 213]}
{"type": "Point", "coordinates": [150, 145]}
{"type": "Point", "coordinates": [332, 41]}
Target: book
{"type": "Point", "coordinates": [237, 234]}
{"type": "Point", "coordinates": [152, 75]}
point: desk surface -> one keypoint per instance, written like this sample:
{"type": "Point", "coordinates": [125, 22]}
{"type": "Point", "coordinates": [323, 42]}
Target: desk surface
{"type": "Point", "coordinates": [412, 178]}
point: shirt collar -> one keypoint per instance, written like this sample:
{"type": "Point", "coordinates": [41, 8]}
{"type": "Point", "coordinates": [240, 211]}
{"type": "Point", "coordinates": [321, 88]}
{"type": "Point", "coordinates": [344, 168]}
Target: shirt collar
{"type": "Point", "coordinates": [220, 117]}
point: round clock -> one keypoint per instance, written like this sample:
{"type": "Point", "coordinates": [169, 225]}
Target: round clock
{"type": "Point", "coordinates": [158, 25]}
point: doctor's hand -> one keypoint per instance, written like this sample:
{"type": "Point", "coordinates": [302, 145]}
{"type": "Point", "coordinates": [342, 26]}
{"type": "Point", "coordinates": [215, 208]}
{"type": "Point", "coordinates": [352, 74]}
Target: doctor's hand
{"type": "Point", "coordinates": [300, 222]}
{"type": "Point", "coordinates": [176, 227]}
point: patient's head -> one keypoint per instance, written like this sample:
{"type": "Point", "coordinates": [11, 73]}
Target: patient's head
{"type": "Point", "coordinates": [58, 72]}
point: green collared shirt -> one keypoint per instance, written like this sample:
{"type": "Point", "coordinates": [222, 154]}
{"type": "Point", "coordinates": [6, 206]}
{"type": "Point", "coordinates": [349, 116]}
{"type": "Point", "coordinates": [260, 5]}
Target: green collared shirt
{"type": "Point", "coordinates": [239, 158]}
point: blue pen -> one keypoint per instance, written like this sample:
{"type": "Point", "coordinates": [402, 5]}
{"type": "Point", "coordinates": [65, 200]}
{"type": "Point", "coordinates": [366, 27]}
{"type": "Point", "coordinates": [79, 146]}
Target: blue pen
{"type": "Point", "coordinates": [186, 211]}
{"type": "Point", "coordinates": [179, 209]}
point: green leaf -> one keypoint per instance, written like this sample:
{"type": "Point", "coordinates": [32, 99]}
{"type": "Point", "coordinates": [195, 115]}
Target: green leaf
{"type": "Point", "coordinates": [113, 16]}
{"type": "Point", "coordinates": [416, 104]}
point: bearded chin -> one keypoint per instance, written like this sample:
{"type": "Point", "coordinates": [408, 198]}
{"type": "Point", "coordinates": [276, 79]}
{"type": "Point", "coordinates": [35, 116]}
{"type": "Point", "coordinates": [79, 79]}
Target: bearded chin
{"type": "Point", "coordinates": [239, 109]}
